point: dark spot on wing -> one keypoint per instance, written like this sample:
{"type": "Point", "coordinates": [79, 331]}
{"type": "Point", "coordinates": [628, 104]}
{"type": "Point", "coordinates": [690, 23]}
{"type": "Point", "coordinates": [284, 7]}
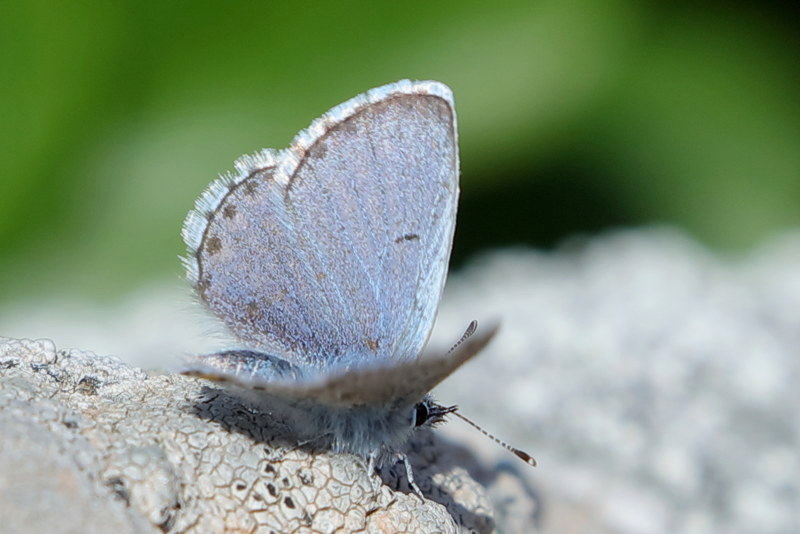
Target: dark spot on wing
{"type": "Point", "coordinates": [213, 245]}
{"type": "Point", "coordinates": [289, 502]}
{"type": "Point", "coordinates": [373, 344]}
{"type": "Point", "coordinates": [229, 211]}
{"type": "Point", "coordinates": [407, 237]}
{"type": "Point", "coordinates": [253, 310]}
{"type": "Point", "coordinates": [272, 490]}
{"type": "Point", "coordinates": [250, 187]}
{"type": "Point", "coordinates": [349, 125]}
{"type": "Point", "coordinates": [317, 151]}
{"type": "Point", "coordinates": [204, 284]}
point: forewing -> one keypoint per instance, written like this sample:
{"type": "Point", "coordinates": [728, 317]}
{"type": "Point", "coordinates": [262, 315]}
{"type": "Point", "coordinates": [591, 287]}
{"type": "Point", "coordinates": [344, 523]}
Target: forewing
{"type": "Point", "coordinates": [395, 381]}
{"type": "Point", "coordinates": [335, 250]}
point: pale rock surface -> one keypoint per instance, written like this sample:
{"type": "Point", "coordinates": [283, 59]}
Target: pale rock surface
{"type": "Point", "coordinates": [655, 382]}
{"type": "Point", "coordinates": [90, 444]}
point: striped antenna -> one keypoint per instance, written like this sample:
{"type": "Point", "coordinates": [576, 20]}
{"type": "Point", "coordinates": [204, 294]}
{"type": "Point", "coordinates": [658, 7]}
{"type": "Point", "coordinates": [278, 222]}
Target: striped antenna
{"type": "Point", "coordinates": [522, 455]}
{"type": "Point", "coordinates": [473, 326]}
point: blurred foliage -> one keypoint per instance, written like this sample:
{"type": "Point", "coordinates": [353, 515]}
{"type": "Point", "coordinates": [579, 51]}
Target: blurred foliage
{"type": "Point", "coordinates": [574, 117]}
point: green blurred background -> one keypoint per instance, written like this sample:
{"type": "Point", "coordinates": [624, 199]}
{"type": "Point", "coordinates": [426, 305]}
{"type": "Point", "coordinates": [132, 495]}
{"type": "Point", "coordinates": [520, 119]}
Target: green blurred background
{"type": "Point", "coordinates": [574, 117]}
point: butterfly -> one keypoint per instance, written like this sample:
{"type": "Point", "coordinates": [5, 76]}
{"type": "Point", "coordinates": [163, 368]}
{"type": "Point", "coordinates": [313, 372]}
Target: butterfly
{"type": "Point", "coordinates": [327, 261]}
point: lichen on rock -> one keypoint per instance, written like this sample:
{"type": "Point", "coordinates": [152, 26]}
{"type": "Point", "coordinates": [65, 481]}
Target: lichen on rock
{"type": "Point", "coordinates": [90, 444]}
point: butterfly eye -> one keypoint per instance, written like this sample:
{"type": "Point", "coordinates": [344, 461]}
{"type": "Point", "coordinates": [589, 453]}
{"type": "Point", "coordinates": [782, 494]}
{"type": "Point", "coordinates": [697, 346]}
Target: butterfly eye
{"type": "Point", "coordinates": [420, 414]}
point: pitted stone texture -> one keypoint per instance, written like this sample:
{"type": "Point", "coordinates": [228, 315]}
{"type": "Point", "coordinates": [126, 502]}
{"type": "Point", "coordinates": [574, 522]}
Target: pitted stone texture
{"type": "Point", "coordinates": [90, 444]}
{"type": "Point", "coordinates": [655, 382]}
{"type": "Point", "coordinates": [49, 463]}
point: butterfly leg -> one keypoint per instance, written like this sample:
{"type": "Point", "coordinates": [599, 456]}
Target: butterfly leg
{"type": "Point", "coordinates": [303, 443]}
{"type": "Point", "coordinates": [372, 464]}
{"type": "Point", "coordinates": [307, 441]}
{"type": "Point", "coordinates": [410, 476]}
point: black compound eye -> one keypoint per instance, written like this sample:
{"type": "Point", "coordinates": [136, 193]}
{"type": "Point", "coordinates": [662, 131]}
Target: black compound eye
{"type": "Point", "coordinates": [420, 414]}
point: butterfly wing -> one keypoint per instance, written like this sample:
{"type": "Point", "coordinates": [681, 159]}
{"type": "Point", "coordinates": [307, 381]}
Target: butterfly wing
{"type": "Point", "coordinates": [374, 385]}
{"type": "Point", "coordinates": [335, 250]}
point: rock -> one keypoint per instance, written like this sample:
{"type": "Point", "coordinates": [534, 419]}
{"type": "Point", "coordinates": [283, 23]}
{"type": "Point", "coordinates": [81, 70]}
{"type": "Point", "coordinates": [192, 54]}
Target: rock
{"type": "Point", "coordinates": [90, 444]}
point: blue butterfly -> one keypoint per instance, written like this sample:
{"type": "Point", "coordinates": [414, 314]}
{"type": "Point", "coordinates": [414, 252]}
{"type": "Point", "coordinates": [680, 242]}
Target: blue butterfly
{"type": "Point", "coordinates": [327, 260]}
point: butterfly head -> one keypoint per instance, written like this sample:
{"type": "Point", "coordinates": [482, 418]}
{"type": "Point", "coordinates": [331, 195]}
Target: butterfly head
{"type": "Point", "coordinates": [428, 413]}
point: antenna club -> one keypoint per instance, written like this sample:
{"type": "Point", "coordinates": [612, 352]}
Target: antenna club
{"type": "Point", "coordinates": [525, 457]}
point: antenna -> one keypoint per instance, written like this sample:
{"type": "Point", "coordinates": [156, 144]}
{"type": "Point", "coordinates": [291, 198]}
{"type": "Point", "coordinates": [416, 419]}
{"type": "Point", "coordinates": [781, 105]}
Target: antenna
{"type": "Point", "coordinates": [473, 326]}
{"type": "Point", "coordinates": [522, 455]}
